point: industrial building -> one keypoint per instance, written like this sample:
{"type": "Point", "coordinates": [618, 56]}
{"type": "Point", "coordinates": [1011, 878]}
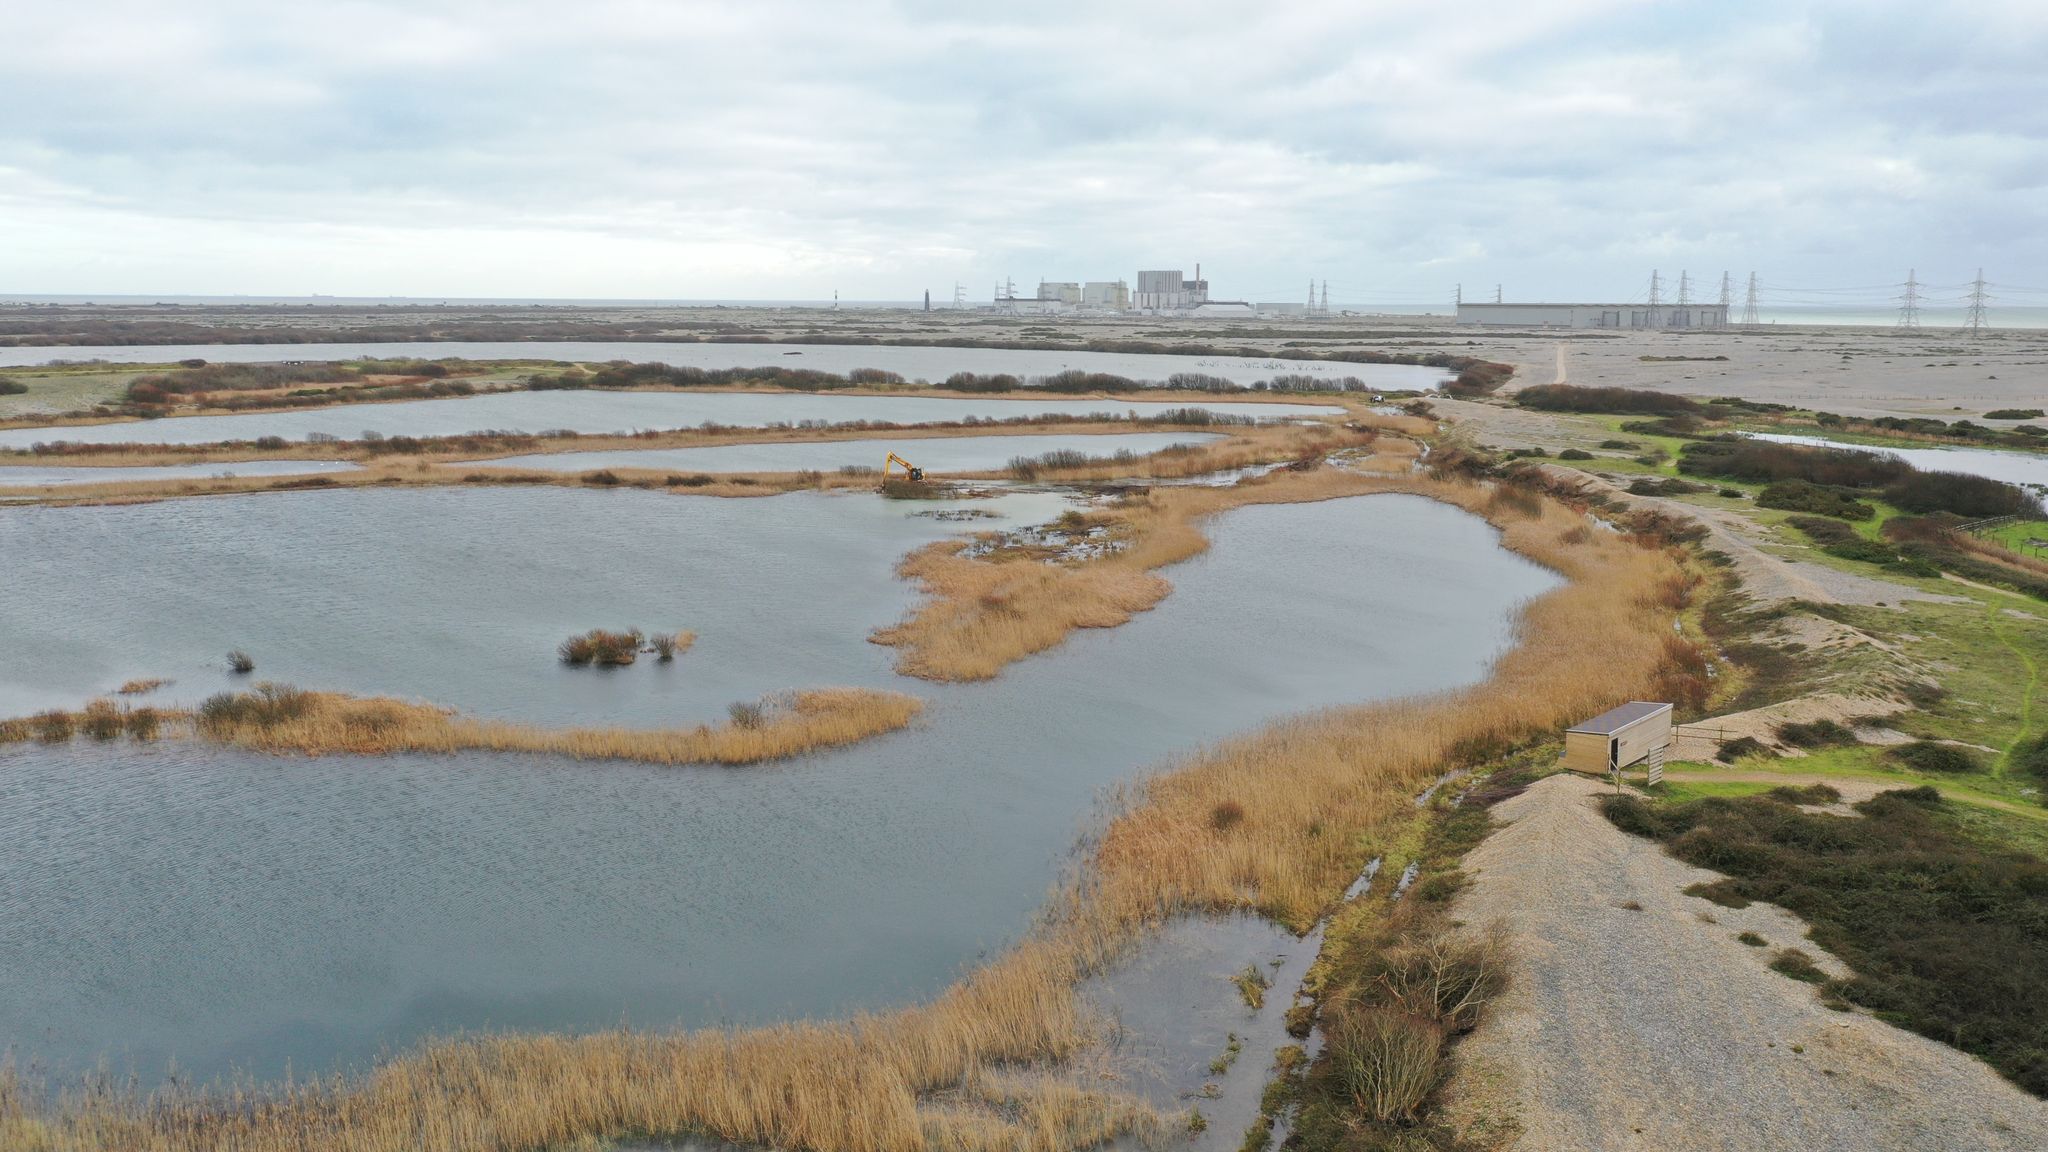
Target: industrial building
{"type": "Point", "coordinates": [1625, 316]}
{"type": "Point", "coordinates": [1165, 290]}
{"type": "Point", "coordinates": [1062, 291]}
{"type": "Point", "coordinates": [1108, 295]}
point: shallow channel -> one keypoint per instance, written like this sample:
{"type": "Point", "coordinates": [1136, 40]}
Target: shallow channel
{"type": "Point", "coordinates": [12, 476]}
{"type": "Point", "coordinates": [242, 912]}
{"type": "Point", "coordinates": [933, 454]}
{"type": "Point", "coordinates": [602, 412]}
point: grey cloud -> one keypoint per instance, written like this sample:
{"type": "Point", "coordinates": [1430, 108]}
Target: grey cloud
{"type": "Point", "coordinates": [784, 148]}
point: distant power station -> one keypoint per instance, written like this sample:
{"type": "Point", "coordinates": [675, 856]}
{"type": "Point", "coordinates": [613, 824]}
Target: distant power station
{"type": "Point", "coordinates": [1686, 314]}
{"type": "Point", "coordinates": [1594, 315]}
{"type": "Point", "coordinates": [1159, 292]}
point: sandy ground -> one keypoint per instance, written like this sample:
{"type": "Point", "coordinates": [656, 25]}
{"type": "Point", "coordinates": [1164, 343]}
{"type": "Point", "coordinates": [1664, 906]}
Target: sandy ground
{"type": "Point", "coordinates": [1657, 1029]}
{"type": "Point", "coordinates": [1701, 739]}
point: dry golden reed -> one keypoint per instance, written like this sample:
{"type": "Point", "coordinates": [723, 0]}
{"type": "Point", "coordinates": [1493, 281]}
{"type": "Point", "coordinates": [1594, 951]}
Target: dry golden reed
{"type": "Point", "coordinates": [803, 722]}
{"type": "Point", "coordinates": [281, 719]}
{"type": "Point", "coordinates": [1312, 794]}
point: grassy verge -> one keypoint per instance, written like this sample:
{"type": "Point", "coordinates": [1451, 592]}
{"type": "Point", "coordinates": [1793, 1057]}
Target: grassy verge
{"type": "Point", "coordinates": [282, 719]}
{"type": "Point", "coordinates": [1942, 929]}
{"type": "Point", "coordinates": [1306, 797]}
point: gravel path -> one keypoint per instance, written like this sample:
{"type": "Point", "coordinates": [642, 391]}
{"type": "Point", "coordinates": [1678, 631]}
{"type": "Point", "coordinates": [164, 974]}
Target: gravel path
{"type": "Point", "coordinates": [1657, 1029]}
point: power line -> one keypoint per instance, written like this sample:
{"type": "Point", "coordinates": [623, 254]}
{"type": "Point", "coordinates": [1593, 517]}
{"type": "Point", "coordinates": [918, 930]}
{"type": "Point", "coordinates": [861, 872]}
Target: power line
{"type": "Point", "coordinates": [1727, 296]}
{"type": "Point", "coordinates": [1909, 303]}
{"type": "Point", "coordinates": [1684, 288]}
{"type": "Point", "coordinates": [1749, 313]}
{"type": "Point", "coordinates": [1656, 289]}
{"type": "Point", "coordinates": [1978, 300]}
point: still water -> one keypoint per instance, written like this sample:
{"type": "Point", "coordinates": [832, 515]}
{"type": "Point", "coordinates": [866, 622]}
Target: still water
{"type": "Point", "coordinates": [2012, 467]}
{"type": "Point", "coordinates": [597, 412]}
{"type": "Point", "coordinates": [933, 454]}
{"type": "Point", "coordinates": [242, 912]}
{"type": "Point", "coordinates": [13, 476]}
{"type": "Point", "coordinates": [927, 363]}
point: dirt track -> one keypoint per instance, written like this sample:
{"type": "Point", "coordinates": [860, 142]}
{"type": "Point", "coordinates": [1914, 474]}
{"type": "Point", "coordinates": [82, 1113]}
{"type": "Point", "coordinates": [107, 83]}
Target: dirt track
{"type": "Point", "coordinates": [1657, 1029]}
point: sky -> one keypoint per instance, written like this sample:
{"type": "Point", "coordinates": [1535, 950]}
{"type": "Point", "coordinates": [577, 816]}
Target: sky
{"type": "Point", "coordinates": [788, 149]}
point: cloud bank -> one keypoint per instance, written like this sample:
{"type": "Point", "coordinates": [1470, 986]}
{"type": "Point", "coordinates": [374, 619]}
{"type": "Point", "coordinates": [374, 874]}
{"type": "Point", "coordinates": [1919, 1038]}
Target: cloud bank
{"type": "Point", "coordinates": [787, 149]}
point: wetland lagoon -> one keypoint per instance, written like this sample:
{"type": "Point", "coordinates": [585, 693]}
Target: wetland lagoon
{"type": "Point", "coordinates": [910, 362]}
{"type": "Point", "coordinates": [603, 412]}
{"type": "Point", "coordinates": [238, 913]}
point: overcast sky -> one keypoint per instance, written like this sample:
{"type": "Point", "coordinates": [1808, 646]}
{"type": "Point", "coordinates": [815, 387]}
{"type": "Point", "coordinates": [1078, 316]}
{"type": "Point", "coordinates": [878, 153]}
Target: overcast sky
{"type": "Point", "coordinates": [788, 148]}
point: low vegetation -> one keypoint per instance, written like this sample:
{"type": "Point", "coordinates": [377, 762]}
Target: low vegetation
{"type": "Point", "coordinates": [1943, 932]}
{"type": "Point", "coordinates": [1624, 401]}
{"type": "Point", "coordinates": [1810, 469]}
{"type": "Point", "coordinates": [1933, 756]}
{"type": "Point", "coordinates": [1817, 499]}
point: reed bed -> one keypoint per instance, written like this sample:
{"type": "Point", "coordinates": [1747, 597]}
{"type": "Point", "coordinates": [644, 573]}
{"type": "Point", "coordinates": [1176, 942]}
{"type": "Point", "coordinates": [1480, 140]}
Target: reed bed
{"type": "Point", "coordinates": [1307, 797]}
{"type": "Point", "coordinates": [277, 718]}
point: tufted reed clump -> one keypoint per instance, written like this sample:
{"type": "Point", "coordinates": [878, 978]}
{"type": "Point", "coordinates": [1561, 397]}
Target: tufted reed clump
{"type": "Point", "coordinates": [601, 648]}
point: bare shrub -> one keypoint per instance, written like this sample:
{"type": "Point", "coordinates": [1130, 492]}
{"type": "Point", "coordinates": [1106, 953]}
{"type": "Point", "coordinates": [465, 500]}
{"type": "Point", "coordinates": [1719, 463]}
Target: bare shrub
{"type": "Point", "coordinates": [1386, 1059]}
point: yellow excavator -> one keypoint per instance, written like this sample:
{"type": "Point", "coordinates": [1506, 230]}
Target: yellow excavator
{"type": "Point", "coordinates": [912, 471]}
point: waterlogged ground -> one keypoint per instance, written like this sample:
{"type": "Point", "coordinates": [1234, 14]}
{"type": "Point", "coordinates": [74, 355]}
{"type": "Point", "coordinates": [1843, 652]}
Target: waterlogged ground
{"type": "Point", "coordinates": [243, 912]}
{"type": "Point", "coordinates": [601, 412]}
{"type": "Point", "coordinates": [935, 454]}
{"type": "Point", "coordinates": [12, 476]}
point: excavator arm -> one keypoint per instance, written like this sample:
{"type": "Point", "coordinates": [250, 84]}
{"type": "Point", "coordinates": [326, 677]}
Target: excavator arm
{"type": "Point", "coordinates": [910, 470]}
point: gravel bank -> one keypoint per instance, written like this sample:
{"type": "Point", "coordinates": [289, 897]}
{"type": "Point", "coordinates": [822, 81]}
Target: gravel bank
{"type": "Point", "coordinates": [1657, 1029]}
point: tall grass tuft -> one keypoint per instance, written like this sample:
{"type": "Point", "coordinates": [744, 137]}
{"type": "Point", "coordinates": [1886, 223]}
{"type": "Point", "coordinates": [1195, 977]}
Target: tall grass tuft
{"type": "Point", "coordinates": [669, 645]}
{"type": "Point", "coordinates": [602, 648]}
{"type": "Point", "coordinates": [241, 663]}
{"type": "Point", "coordinates": [102, 719]}
{"type": "Point", "coordinates": [53, 727]}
